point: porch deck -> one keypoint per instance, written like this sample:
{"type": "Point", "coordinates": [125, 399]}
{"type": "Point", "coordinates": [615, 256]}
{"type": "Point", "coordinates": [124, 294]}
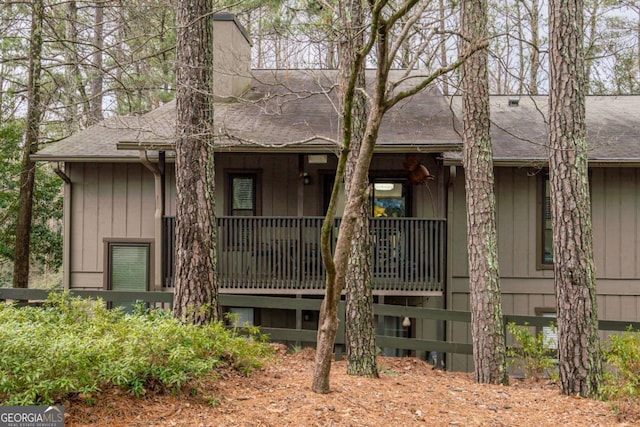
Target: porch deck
{"type": "Point", "coordinates": [281, 255]}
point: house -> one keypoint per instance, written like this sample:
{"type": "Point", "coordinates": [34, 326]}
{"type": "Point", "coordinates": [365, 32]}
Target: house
{"type": "Point", "coordinates": [519, 138]}
{"type": "Point", "coordinates": [275, 161]}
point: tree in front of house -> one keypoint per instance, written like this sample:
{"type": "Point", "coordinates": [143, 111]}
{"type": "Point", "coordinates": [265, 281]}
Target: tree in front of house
{"type": "Point", "coordinates": [383, 97]}
{"type": "Point", "coordinates": [46, 238]}
{"type": "Point", "coordinates": [489, 351]}
{"type": "Point", "coordinates": [196, 279]}
{"type": "Point", "coordinates": [360, 333]}
{"type": "Point", "coordinates": [22, 256]}
{"type": "Point", "coordinates": [579, 357]}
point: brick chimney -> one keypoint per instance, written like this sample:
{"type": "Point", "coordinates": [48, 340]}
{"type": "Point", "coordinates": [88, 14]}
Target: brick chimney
{"type": "Point", "coordinates": [232, 57]}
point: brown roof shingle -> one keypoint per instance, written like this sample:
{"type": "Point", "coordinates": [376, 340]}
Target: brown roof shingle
{"type": "Point", "coordinates": [282, 108]}
{"type": "Point", "coordinates": [519, 133]}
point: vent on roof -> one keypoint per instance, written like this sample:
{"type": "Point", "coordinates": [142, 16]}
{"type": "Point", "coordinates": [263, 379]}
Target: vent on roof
{"type": "Point", "coordinates": [514, 102]}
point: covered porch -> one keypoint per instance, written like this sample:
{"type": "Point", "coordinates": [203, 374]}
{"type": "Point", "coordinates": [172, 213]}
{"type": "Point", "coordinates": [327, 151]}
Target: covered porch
{"type": "Point", "coordinates": [281, 255]}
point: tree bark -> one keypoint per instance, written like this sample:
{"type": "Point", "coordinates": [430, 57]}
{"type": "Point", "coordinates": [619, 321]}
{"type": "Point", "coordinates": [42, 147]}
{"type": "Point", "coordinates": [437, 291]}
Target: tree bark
{"type": "Point", "coordinates": [335, 282]}
{"type": "Point", "coordinates": [97, 72]}
{"type": "Point", "coordinates": [336, 266]}
{"type": "Point", "coordinates": [487, 329]}
{"type": "Point", "coordinates": [360, 334]}
{"type": "Point", "coordinates": [28, 166]}
{"type": "Point", "coordinates": [443, 45]}
{"type": "Point", "coordinates": [196, 284]}
{"type": "Point", "coordinates": [71, 72]}
{"type": "Point", "coordinates": [534, 50]}
{"type": "Point", "coordinates": [579, 355]}
{"type": "Point", "coordinates": [380, 102]}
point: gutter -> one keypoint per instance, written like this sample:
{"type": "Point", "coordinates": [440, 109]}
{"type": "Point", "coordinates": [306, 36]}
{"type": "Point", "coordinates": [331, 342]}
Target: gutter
{"type": "Point", "coordinates": [61, 173]}
{"type": "Point", "coordinates": [159, 212]}
{"type": "Point", "coordinates": [307, 147]}
{"type": "Point", "coordinates": [537, 162]}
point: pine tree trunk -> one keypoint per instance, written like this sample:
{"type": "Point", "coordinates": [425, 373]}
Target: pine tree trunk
{"type": "Point", "coordinates": [71, 72]}
{"type": "Point", "coordinates": [97, 69]}
{"type": "Point", "coordinates": [360, 334]}
{"type": "Point", "coordinates": [579, 358]}
{"type": "Point", "coordinates": [196, 284]}
{"type": "Point", "coordinates": [534, 57]}
{"type": "Point", "coordinates": [443, 45]}
{"type": "Point", "coordinates": [487, 330]}
{"type": "Point", "coordinates": [28, 167]}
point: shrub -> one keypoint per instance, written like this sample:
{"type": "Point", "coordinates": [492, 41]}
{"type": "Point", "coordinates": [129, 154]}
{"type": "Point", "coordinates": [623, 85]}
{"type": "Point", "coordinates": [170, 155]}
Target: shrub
{"type": "Point", "coordinates": [621, 383]}
{"type": "Point", "coordinates": [533, 351]}
{"type": "Point", "coordinates": [72, 345]}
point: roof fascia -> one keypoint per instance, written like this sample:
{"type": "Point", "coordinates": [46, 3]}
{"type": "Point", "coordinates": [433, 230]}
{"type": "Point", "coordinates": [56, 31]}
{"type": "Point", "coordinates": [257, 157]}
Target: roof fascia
{"type": "Point", "coordinates": [86, 159]}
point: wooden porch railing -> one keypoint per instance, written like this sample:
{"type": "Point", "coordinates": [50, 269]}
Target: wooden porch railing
{"type": "Point", "coordinates": [282, 255]}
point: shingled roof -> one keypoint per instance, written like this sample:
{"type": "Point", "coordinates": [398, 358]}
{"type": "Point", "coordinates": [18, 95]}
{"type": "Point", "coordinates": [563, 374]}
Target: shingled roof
{"type": "Point", "coordinates": [520, 137]}
{"type": "Point", "coordinates": [287, 110]}
{"type": "Point", "coordinates": [295, 111]}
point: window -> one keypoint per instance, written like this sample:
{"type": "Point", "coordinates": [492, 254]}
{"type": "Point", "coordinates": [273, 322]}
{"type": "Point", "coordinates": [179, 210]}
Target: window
{"type": "Point", "coordinates": [549, 333]}
{"type": "Point", "coordinates": [240, 316]}
{"type": "Point", "coordinates": [128, 267]}
{"type": "Point", "coordinates": [545, 232]}
{"type": "Point", "coordinates": [388, 199]}
{"type": "Point", "coordinates": [243, 200]}
{"type": "Point", "coordinates": [242, 195]}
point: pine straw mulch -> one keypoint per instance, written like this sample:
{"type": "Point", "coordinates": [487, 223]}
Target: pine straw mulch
{"type": "Point", "coordinates": [409, 393]}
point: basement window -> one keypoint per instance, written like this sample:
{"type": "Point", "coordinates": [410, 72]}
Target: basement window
{"type": "Point", "coordinates": [128, 268]}
{"type": "Point", "coordinates": [549, 333]}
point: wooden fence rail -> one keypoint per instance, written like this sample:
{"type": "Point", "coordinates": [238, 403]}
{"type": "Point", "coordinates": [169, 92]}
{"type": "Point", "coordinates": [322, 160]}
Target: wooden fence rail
{"type": "Point", "coordinates": [302, 335]}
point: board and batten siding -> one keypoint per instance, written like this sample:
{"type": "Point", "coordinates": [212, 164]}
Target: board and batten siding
{"type": "Point", "coordinates": [280, 178]}
{"type": "Point", "coordinates": [117, 200]}
{"type": "Point", "coordinates": [278, 182]}
{"type": "Point", "coordinates": [108, 200]}
{"type": "Point", "coordinates": [615, 195]}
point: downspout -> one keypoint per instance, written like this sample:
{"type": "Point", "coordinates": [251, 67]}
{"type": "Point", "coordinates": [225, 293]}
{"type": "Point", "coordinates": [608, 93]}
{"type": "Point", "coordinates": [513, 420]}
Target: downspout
{"type": "Point", "coordinates": [301, 178]}
{"type": "Point", "coordinates": [157, 178]}
{"type": "Point", "coordinates": [66, 225]}
{"type": "Point", "coordinates": [449, 277]}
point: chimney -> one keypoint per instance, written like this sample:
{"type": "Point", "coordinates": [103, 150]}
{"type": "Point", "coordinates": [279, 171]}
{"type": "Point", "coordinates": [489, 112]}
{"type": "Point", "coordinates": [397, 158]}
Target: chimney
{"type": "Point", "coordinates": [232, 57]}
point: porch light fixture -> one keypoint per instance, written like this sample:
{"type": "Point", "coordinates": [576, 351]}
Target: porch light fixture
{"type": "Point", "coordinates": [514, 102]}
{"type": "Point", "coordinates": [406, 322]}
{"type": "Point", "coordinates": [306, 178]}
{"type": "Point", "coordinates": [383, 186]}
{"type": "Point", "coordinates": [317, 159]}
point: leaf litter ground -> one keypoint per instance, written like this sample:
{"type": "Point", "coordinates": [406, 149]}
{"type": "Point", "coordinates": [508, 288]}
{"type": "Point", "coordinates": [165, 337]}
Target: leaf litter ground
{"type": "Point", "coordinates": [408, 393]}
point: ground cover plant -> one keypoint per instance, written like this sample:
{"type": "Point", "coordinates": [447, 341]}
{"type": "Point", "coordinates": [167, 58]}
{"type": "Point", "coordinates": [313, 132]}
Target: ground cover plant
{"type": "Point", "coordinates": [621, 352]}
{"type": "Point", "coordinates": [622, 376]}
{"type": "Point", "coordinates": [533, 352]}
{"type": "Point", "coordinates": [74, 346]}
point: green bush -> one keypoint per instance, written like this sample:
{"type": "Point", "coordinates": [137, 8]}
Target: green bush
{"type": "Point", "coordinates": [533, 351]}
{"type": "Point", "coordinates": [72, 345]}
{"type": "Point", "coordinates": [622, 377]}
